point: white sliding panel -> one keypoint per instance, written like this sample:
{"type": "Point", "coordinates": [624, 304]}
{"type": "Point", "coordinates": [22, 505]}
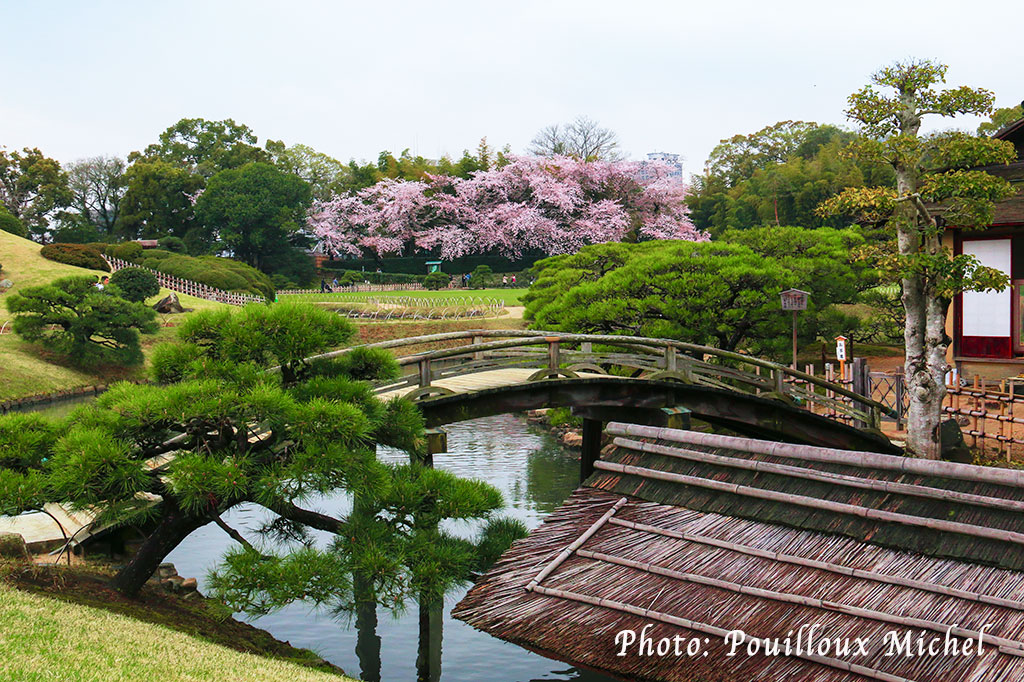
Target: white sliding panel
{"type": "Point", "coordinates": [988, 313]}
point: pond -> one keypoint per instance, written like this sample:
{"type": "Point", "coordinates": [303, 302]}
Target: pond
{"type": "Point", "coordinates": [534, 473]}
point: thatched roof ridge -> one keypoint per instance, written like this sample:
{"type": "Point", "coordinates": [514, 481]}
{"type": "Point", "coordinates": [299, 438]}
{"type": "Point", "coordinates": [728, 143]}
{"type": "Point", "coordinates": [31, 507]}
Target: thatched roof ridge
{"type": "Point", "coordinates": [926, 467]}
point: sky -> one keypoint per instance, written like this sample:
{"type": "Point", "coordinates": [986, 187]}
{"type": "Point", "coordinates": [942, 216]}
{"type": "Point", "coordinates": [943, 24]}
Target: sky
{"type": "Point", "coordinates": [353, 78]}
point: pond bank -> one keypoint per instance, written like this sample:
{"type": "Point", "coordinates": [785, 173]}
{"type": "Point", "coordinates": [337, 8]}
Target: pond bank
{"type": "Point", "coordinates": [185, 611]}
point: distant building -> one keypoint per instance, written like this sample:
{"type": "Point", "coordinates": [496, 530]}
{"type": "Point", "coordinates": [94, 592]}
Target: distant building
{"type": "Point", "coordinates": [673, 162]}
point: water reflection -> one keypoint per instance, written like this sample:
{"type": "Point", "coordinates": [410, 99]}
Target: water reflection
{"type": "Point", "coordinates": [533, 472]}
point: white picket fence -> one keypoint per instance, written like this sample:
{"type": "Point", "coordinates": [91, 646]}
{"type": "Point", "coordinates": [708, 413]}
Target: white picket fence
{"type": "Point", "coordinates": [187, 286]}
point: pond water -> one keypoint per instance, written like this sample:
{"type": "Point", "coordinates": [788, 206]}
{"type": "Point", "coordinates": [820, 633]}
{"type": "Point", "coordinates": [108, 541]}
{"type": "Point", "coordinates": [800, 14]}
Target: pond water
{"type": "Point", "coordinates": [533, 472]}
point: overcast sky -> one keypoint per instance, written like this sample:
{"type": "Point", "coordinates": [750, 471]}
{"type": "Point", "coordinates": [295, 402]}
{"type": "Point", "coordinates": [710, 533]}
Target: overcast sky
{"type": "Point", "coordinates": [353, 78]}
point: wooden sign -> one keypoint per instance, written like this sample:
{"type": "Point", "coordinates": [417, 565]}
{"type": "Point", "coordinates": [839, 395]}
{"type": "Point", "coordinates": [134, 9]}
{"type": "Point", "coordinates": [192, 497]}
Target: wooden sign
{"type": "Point", "coordinates": [794, 299]}
{"type": "Point", "coordinates": [840, 348]}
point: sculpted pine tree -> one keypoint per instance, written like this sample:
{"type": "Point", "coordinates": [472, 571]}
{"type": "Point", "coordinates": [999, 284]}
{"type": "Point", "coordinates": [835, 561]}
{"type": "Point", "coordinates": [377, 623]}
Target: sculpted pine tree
{"type": "Point", "coordinates": [933, 179]}
{"type": "Point", "coordinates": [239, 416]}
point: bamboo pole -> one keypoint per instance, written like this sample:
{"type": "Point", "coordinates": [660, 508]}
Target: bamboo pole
{"type": "Point", "coordinates": [576, 544]}
{"type": "Point", "coordinates": [825, 476]}
{"type": "Point", "coordinates": [805, 562]}
{"type": "Point", "coordinates": [707, 629]}
{"type": "Point", "coordinates": [816, 503]}
{"type": "Point", "coordinates": [1012, 646]}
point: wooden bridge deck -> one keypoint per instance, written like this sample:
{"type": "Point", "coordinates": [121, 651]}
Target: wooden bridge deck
{"type": "Point", "coordinates": [468, 383]}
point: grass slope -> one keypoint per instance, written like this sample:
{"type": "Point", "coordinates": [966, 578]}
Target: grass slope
{"type": "Point", "coordinates": [28, 369]}
{"type": "Point", "coordinates": [46, 639]}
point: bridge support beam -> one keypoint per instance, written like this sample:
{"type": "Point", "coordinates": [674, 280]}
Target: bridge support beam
{"type": "Point", "coordinates": [666, 417]}
{"type": "Point", "coordinates": [591, 449]}
{"type": "Point", "coordinates": [437, 441]}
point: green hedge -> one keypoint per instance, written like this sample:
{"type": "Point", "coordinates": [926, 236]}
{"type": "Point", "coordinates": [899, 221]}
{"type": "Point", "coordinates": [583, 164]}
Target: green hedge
{"type": "Point", "coordinates": [213, 271]}
{"type": "Point", "coordinates": [79, 255]}
{"type": "Point", "coordinates": [372, 277]}
{"type": "Point", "coordinates": [417, 265]}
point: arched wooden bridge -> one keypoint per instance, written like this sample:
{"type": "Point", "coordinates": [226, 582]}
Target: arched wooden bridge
{"type": "Point", "coordinates": [625, 378]}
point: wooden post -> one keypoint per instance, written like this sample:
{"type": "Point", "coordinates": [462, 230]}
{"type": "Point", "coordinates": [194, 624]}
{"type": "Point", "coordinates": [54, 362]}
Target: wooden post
{"type": "Point", "coordinates": [477, 340]}
{"type": "Point", "coordinates": [586, 347]}
{"type": "Point", "coordinates": [780, 386]}
{"type": "Point", "coordinates": [794, 339]}
{"type": "Point", "coordinates": [670, 358]}
{"type": "Point", "coordinates": [424, 366]}
{"type": "Point", "coordinates": [591, 450]}
{"type": "Point", "coordinates": [554, 356]}
{"type": "Point", "coordinates": [860, 387]}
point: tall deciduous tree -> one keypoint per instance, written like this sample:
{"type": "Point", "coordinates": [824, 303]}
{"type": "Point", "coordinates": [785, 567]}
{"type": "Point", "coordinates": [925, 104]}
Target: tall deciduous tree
{"type": "Point", "coordinates": [555, 205]}
{"type": "Point", "coordinates": [32, 188]}
{"type": "Point", "coordinates": [254, 211]}
{"type": "Point", "coordinates": [157, 201]}
{"type": "Point", "coordinates": [583, 139]}
{"type": "Point", "coordinates": [930, 170]}
{"type": "Point", "coordinates": [205, 147]}
{"type": "Point", "coordinates": [97, 185]}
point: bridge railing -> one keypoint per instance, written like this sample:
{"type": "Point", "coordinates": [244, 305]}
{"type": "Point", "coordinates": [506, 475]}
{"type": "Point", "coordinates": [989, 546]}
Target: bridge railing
{"type": "Point", "coordinates": [556, 354]}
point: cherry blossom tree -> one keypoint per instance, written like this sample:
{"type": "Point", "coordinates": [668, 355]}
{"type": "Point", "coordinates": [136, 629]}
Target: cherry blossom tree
{"type": "Point", "coordinates": [556, 205]}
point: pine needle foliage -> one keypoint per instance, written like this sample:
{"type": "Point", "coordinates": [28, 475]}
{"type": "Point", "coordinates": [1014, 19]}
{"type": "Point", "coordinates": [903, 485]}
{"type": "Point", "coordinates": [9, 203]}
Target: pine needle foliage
{"type": "Point", "coordinates": [241, 417]}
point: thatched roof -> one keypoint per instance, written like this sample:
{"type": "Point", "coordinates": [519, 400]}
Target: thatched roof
{"type": "Point", "coordinates": [697, 535]}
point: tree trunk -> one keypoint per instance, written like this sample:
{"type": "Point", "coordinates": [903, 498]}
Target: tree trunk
{"type": "Point", "coordinates": [175, 525]}
{"type": "Point", "coordinates": [925, 332]}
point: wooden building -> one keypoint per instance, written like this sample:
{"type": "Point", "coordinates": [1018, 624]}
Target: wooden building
{"type": "Point", "coordinates": [698, 535]}
{"type": "Point", "coordinates": [988, 328]}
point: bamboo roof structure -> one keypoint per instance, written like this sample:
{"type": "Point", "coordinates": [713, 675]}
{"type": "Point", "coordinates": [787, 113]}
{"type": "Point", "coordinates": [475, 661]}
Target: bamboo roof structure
{"type": "Point", "coordinates": [697, 535]}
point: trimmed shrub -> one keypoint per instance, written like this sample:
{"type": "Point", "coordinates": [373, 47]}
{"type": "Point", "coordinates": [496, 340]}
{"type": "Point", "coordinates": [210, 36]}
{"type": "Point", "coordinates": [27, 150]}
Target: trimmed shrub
{"type": "Point", "coordinates": [78, 255]}
{"type": "Point", "coordinates": [8, 223]}
{"type": "Point", "coordinates": [436, 280]}
{"type": "Point", "coordinates": [175, 244]}
{"type": "Point", "coordinates": [220, 273]}
{"type": "Point", "coordinates": [129, 251]}
{"type": "Point", "coordinates": [481, 276]}
{"type": "Point", "coordinates": [135, 284]}
{"type": "Point", "coordinates": [372, 277]}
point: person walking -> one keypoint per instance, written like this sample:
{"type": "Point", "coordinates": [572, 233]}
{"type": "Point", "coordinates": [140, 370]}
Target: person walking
{"type": "Point", "coordinates": [323, 285]}
{"type": "Point", "coordinates": [504, 280]}
{"type": "Point", "coordinates": [513, 280]}
{"type": "Point", "coordinates": [334, 283]}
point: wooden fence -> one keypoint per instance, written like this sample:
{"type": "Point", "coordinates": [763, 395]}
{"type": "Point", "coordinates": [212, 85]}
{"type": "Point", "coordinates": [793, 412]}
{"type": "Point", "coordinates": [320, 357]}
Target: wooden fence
{"type": "Point", "coordinates": [188, 287]}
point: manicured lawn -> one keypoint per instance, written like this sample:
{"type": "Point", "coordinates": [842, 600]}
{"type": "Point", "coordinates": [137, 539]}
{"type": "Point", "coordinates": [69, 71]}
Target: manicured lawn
{"type": "Point", "coordinates": [46, 639]}
{"type": "Point", "coordinates": [511, 297]}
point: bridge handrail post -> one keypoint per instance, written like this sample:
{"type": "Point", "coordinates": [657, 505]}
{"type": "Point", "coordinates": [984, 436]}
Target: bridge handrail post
{"type": "Point", "coordinates": [586, 347]}
{"type": "Point", "coordinates": [780, 384]}
{"type": "Point", "coordinates": [670, 359]}
{"type": "Point", "coordinates": [477, 340]}
{"type": "Point", "coordinates": [554, 353]}
{"type": "Point", "coordinates": [424, 367]}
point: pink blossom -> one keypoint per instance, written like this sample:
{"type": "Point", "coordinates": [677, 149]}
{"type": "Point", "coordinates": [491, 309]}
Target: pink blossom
{"type": "Point", "coordinates": [556, 205]}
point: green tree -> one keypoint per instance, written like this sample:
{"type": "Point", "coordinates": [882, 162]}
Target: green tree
{"type": "Point", "coordinates": [205, 147]}
{"type": "Point", "coordinates": [89, 325]}
{"type": "Point", "coordinates": [709, 293]}
{"type": "Point", "coordinates": [32, 188]}
{"type": "Point", "coordinates": [325, 175]}
{"type": "Point", "coordinates": [774, 178]}
{"type": "Point", "coordinates": [157, 201]}
{"type": "Point", "coordinates": [255, 210]}
{"type": "Point", "coordinates": [1000, 118]}
{"type": "Point", "coordinates": [930, 169]}
{"type": "Point", "coordinates": [135, 284]}
{"type": "Point", "coordinates": [243, 434]}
